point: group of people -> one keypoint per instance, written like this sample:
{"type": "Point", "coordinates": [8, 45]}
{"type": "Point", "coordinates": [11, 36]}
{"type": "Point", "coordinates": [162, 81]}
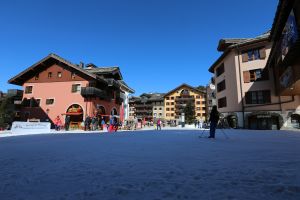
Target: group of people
{"type": "Point", "coordinates": [199, 123]}
{"type": "Point", "coordinates": [93, 123]}
{"type": "Point", "coordinates": [89, 124]}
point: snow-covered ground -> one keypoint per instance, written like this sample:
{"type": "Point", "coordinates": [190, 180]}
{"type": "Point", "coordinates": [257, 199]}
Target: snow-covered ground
{"type": "Point", "coordinates": [151, 165]}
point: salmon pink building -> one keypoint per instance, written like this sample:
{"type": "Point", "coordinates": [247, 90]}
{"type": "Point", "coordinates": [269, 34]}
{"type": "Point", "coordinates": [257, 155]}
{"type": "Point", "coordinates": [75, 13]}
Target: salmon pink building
{"type": "Point", "coordinates": [55, 87]}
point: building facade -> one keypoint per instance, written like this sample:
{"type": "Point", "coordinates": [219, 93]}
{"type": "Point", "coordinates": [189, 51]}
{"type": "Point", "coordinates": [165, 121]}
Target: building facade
{"type": "Point", "coordinates": [10, 105]}
{"type": "Point", "coordinates": [56, 87]}
{"type": "Point", "coordinates": [147, 107]}
{"type": "Point", "coordinates": [177, 99]}
{"type": "Point", "coordinates": [245, 90]}
{"type": "Point", "coordinates": [285, 61]}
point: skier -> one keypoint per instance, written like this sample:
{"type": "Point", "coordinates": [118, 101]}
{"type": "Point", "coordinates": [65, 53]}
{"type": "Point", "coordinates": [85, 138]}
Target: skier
{"type": "Point", "coordinates": [213, 119]}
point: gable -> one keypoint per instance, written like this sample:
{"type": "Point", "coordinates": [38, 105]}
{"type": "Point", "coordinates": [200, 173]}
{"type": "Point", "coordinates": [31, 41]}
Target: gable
{"type": "Point", "coordinates": [52, 61]}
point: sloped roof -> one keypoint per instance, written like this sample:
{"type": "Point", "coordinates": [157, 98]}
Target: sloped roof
{"type": "Point", "coordinates": [105, 70]}
{"type": "Point", "coordinates": [184, 85]}
{"type": "Point", "coordinates": [226, 45]}
{"type": "Point", "coordinates": [19, 80]}
{"type": "Point", "coordinates": [129, 89]}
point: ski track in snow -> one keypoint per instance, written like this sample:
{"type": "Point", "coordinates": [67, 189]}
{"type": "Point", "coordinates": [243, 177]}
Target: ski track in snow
{"type": "Point", "coordinates": [152, 165]}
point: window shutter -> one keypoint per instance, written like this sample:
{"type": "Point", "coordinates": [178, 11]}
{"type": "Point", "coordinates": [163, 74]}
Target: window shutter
{"type": "Point", "coordinates": [73, 88]}
{"type": "Point", "coordinates": [245, 57]}
{"type": "Point", "coordinates": [262, 53]}
{"type": "Point", "coordinates": [246, 76]}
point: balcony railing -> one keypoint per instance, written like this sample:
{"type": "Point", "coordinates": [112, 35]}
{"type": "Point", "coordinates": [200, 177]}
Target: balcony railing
{"type": "Point", "coordinates": [93, 92]}
{"type": "Point", "coordinates": [185, 98]}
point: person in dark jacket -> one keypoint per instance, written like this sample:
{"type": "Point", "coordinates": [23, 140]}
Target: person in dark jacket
{"type": "Point", "coordinates": [87, 123]}
{"type": "Point", "coordinates": [213, 119]}
{"type": "Point", "coordinates": [67, 122]}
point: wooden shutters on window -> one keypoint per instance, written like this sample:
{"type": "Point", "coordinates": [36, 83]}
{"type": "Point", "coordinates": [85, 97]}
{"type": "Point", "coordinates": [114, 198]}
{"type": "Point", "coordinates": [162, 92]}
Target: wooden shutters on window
{"type": "Point", "coordinates": [246, 76]}
{"type": "Point", "coordinates": [262, 53]}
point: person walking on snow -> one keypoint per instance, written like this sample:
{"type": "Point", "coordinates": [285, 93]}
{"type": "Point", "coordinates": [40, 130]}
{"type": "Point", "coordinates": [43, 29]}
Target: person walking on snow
{"type": "Point", "coordinates": [213, 119]}
{"type": "Point", "coordinates": [158, 124]}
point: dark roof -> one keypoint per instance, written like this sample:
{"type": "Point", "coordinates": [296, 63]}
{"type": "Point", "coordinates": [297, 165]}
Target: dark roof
{"type": "Point", "coordinates": [105, 70]}
{"type": "Point", "coordinates": [150, 97]}
{"type": "Point", "coordinates": [19, 81]}
{"type": "Point", "coordinates": [226, 45]}
{"type": "Point", "coordinates": [123, 84]}
{"type": "Point", "coordinates": [184, 85]}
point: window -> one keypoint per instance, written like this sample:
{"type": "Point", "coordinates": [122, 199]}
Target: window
{"type": "Point", "coordinates": [254, 54]}
{"type": "Point", "coordinates": [198, 97]}
{"type": "Point", "coordinates": [172, 103]}
{"type": "Point", "coordinates": [73, 75]}
{"type": "Point", "coordinates": [49, 74]}
{"type": "Point", "coordinates": [34, 103]}
{"type": "Point", "coordinates": [198, 108]}
{"type": "Point", "coordinates": [167, 114]}
{"type": "Point", "coordinates": [49, 101]}
{"type": "Point", "coordinates": [222, 102]}
{"type": "Point", "coordinates": [76, 88]}
{"type": "Point", "coordinates": [28, 89]}
{"type": "Point", "coordinates": [198, 114]}
{"type": "Point", "coordinates": [172, 109]}
{"type": "Point", "coordinates": [198, 102]}
{"type": "Point", "coordinates": [167, 98]}
{"type": "Point", "coordinates": [258, 97]}
{"type": "Point", "coordinates": [36, 77]}
{"type": "Point", "coordinates": [59, 74]}
{"type": "Point", "coordinates": [256, 75]}
{"type": "Point", "coordinates": [172, 98]}
{"type": "Point", "coordinates": [167, 109]}
{"type": "Point", "coordinates": [155, 108]}
{"type": "Point", "coordinates": [160, 108]}
{"type": "Point", "coordinates": [221, 86]}
{"type": "Point", "coordinates": [167, 103]}
{"type": "Point", "coordinates": [172, 114]}
{"type": "Point", "coordinates": [220, 70]}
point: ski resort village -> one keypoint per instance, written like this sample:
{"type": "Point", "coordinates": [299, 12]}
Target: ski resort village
{"type": "Point", "coordinates": [152, 100]}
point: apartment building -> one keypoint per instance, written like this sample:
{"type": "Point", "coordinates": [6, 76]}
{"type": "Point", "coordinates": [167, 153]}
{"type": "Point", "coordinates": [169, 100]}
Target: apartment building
{"type": "Point", "coordinates": [177, 99]}
{"type": "Point", "coordinates": [54, 86]}
{"type": "Point", "coordinates": [147, 107]}
{"type": "Point", "coordinates": [285, 61]}
{"type": "Point", "coordinates": [245, 90]}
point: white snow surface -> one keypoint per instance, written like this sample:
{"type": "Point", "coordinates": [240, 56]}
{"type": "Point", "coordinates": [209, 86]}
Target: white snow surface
{"type": "Point", "coordinates": [154, 165]}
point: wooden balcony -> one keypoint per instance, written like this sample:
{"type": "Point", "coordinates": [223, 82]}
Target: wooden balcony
{"type": "Point", "coordinates": [93, 92]}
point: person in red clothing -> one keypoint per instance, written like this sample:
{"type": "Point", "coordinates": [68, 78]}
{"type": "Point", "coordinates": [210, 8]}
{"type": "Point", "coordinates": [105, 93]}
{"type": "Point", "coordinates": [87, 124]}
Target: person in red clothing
{"type": "Point", "coordinates": [57, 123]}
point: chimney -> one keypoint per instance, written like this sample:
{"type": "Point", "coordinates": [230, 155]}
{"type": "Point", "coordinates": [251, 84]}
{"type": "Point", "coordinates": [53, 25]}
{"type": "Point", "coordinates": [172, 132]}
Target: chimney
{"type": "Point", "coordinates": [81, 65]}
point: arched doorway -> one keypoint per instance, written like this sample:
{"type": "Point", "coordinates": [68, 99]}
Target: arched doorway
{"type": "Point", "coordinates": [295, 120]}
{"type": "Point", "coordinates": [75, 112]}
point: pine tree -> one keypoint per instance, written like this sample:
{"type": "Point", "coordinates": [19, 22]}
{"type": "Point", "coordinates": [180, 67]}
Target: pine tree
{"type": "Point", "coordinates": [189, 113]}
{"type": "Point", "coordinates": [6, 114]}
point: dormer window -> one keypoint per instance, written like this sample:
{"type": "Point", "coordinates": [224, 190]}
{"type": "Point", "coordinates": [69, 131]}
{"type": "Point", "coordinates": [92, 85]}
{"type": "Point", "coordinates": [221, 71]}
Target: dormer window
{"type": "Point", "coordinates": [73, 75]}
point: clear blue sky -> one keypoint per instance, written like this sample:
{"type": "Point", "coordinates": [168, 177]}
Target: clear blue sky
{"type": "Point", "coordinates": [158, 44]}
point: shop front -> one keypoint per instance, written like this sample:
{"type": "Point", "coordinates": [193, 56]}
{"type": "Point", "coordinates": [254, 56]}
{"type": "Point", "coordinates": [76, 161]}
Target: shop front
{"type": "Point", "coordinates": [264, 121]}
